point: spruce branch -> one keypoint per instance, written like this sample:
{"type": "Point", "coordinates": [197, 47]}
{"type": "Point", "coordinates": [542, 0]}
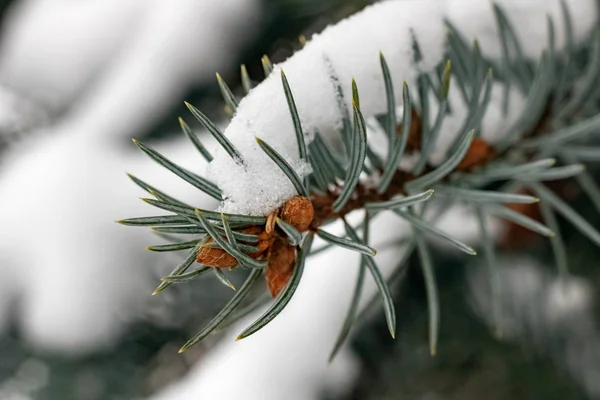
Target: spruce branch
{"type": "Point", "coordinates": [545, 143]}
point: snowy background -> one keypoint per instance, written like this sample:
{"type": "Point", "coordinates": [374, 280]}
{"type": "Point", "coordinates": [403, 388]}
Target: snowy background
{"type": "Point", "coordinates": [77, 81]}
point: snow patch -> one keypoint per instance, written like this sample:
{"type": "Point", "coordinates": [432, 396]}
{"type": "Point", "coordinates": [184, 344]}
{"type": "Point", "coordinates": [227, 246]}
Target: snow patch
{"type": "Point", "coordinates": [352, 49]}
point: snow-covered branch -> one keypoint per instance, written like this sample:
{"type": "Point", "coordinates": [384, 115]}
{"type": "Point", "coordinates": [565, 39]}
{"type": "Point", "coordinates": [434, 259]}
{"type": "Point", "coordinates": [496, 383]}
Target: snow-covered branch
{"type": "Point", "coordinates": [351, 49]}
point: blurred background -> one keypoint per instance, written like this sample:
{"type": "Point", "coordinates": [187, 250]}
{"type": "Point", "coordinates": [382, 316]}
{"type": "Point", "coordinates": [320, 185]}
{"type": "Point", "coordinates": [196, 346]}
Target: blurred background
{"type": "Point", "coordinates": [77, 81]}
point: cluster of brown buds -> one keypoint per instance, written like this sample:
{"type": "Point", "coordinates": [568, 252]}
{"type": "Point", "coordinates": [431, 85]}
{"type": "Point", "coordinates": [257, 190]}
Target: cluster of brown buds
{"type": "Point", "coordinates": [273, 245]}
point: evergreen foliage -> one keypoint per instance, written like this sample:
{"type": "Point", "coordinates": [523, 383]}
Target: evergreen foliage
{"type": "Point", "coordinates": [547, 142]}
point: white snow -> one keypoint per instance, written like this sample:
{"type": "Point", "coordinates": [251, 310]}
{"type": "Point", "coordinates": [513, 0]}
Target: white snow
{"type": "Point", "coordinates": [51, 49]}
{"type": "Point", "coordinates": [181, 43]}
{"type": "Point", "coordinates": [352, 47]}
{"type": "Point", "coordinates": [65, 55]}
{"type": "Point", "coordinates": [72, 277]}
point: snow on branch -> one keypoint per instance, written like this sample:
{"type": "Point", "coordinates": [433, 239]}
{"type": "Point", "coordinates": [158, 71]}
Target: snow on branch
{"type": "Point", "coordinates": [351, 49]}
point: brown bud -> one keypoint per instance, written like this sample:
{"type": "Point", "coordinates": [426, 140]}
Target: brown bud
{"type": "Point", "coordinates": [253, 230]}
{"type": "Point", "coordinates": [413, 142]}
{"type": "Point", "coordinates": [516, 237]}
{"type": "Point", "coordinates": [265, 241]}
{"type": "Point", "coordinates": [217, 258]}
{"type": "Point", "coordinates": [479, 152]}
{"type": "Point", "coordinates": [281, 266]}
{"type": "Point", "coordinates": [299, 212]}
